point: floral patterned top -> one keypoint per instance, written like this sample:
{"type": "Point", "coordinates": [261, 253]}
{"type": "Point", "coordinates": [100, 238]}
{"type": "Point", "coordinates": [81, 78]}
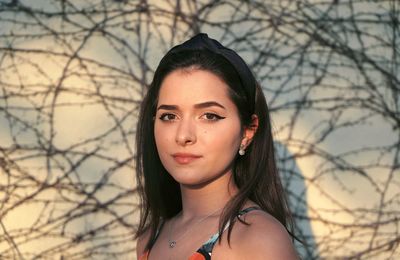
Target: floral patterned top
{"type": "Point", "coordinates": [205, 251]}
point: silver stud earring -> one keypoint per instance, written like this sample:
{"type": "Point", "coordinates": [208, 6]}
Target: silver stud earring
{"type": "Point", "coordinates": [241, 150]}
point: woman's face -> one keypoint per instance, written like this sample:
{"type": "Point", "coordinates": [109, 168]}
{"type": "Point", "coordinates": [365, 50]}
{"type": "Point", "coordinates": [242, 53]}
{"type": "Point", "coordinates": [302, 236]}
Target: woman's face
{"type": "Point", "coordinates": [197, 127]}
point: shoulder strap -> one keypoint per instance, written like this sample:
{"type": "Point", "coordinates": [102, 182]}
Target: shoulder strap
{"type": "Point", "coordinates": [207, 247]}
{"type": "Point", "coordinates": [247, 210]}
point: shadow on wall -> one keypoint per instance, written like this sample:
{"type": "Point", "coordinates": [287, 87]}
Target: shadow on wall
{"type": "Point", "coordinates": [293, 182]}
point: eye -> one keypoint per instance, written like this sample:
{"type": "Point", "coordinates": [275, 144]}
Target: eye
{"type": "Point", "coordinates": [212, 117]}
{"type": "Point", "coordinates": [167, 117]}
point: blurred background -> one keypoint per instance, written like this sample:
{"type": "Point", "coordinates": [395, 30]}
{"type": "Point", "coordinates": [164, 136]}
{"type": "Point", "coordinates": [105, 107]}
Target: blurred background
{"type": "Point", "coordinates": [72, 76]}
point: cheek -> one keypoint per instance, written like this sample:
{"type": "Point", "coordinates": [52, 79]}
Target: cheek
{"type": "Point", "coordinates": [223, 139]}
{"type": "Point", "coordinates": [225, 144]}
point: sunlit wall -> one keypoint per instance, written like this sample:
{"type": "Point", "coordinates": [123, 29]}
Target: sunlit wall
{"type": "Point", "coordinates": [73, 73]}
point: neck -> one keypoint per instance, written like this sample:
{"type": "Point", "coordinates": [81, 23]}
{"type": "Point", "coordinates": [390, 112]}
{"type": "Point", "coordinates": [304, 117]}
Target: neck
{"type": "Point", "coordinates": [203, 200]}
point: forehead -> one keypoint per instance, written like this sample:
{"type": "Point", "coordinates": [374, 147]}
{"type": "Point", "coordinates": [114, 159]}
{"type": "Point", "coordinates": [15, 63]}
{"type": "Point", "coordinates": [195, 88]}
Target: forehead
{"type": "Point", "coordinates": [193, 86]}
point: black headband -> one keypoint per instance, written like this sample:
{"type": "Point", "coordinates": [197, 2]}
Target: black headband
{"type": "Point", "coordinates": [201, 41]}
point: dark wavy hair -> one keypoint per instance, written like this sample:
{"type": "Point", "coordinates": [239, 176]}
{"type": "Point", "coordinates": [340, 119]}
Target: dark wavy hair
{"type": "Point", "coordinates": [255, 173]}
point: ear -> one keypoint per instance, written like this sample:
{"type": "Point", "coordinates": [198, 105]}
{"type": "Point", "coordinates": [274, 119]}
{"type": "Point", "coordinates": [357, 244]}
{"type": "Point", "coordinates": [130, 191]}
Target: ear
{"type": "Point", "coordinates": [250, 131]}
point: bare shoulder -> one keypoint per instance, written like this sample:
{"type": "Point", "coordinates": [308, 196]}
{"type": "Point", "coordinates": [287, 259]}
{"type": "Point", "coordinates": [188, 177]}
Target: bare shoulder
{"type": "Point", "coordinates": [141, 243]}
{"type": "Point", "coordinates": [264, 238]}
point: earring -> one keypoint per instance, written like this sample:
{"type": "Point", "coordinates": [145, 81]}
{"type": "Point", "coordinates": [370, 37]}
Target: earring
{"type": "Point", "coordinates": [242, 151]}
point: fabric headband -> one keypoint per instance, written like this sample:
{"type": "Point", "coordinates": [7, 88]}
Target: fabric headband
{"type": "Point", "coordinates": [201, 41]}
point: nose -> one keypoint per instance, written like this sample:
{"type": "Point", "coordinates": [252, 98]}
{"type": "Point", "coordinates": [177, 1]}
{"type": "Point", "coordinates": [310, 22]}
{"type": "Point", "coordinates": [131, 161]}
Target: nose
{"type": "Point", "coordinates": [186, 133]}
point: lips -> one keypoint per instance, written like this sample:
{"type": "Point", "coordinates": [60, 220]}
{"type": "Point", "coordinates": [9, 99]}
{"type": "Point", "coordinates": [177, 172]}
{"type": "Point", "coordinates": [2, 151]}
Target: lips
{"type": "Point", "coordinates": [185, 158]}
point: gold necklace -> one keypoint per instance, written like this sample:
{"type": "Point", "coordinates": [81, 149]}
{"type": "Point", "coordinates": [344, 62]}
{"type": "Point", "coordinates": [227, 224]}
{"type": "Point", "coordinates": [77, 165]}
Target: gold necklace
{"type": "Point", "coordinates": [172, 243]}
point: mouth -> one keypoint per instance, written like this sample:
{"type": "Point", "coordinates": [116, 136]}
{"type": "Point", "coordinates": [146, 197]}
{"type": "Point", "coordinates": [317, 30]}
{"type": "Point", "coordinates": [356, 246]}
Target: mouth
{"type": "Point", "coordinates": [185, 158]}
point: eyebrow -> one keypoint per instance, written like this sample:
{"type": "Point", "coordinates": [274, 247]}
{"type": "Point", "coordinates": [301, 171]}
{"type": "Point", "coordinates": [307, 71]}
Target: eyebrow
{"type": "Point", "coordinates": [197, 106]}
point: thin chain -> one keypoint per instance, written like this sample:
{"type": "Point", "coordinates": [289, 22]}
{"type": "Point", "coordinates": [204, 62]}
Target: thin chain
{"type": "Point", "coordinates": [172, 243]}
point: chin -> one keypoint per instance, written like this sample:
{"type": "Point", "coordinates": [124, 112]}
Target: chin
{"type": "Point", "coordinates": [194, 184]}
{"type": "Point", "coordinates": [187, 179]}
{"type": "Point", "coordinates": [193, 180]}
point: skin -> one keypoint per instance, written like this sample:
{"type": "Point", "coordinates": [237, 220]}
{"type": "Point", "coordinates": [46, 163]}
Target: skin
{"type": "Point", "coordinates": [198, 134]}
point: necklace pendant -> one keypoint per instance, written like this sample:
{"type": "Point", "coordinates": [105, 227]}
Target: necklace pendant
{"type": "Point", "coordinates": [172, 244]}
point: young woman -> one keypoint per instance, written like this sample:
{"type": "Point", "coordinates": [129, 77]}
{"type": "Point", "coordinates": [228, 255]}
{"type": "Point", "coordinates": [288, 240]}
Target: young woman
{"type": "Point", "coordinates": [206, 172]}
